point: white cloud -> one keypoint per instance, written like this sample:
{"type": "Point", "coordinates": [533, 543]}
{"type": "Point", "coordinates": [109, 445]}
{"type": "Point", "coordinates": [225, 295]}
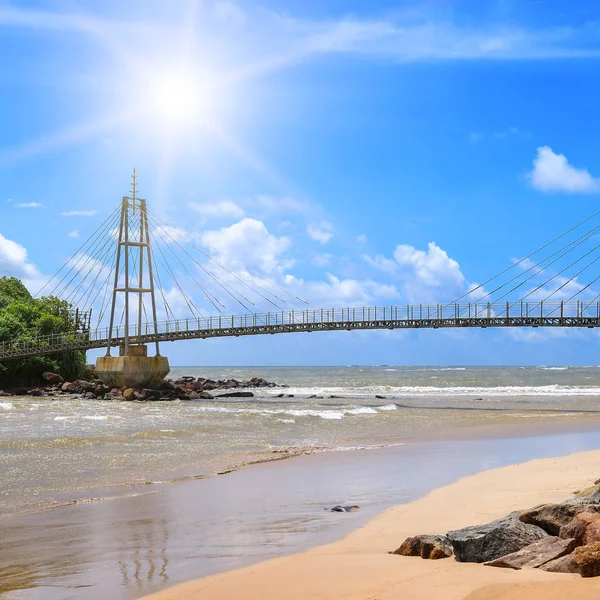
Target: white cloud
{"type": "Point", "coordinates": [427, 276]}
{"type": "Point", "coordinates": [9, 199]}
{"type": "Point", "coordinates": [29, 205]}
{"type": "Point", "coordinates": [339, 293]}
{"type": "Point", "coordinates": [220, 209]}
{"type": "Point", "coordinates": [552, 172]}
{"type": "Point", "coordinates": [323, 232]}
{"type": "Point", "coordinates": [361, 239]}
{"type": "Point", "coordinates": [79, 213]}
{"type": "Point", "coordinates": [14, 263]}
{"type": "Point", "coordinates": [73, 234]}
{"type": "Point", "coordinates": [250, 242]}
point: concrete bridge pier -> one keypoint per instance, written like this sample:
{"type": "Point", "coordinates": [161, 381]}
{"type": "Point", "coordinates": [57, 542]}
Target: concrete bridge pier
{"type": "Point", "coordinates": [134, 370]}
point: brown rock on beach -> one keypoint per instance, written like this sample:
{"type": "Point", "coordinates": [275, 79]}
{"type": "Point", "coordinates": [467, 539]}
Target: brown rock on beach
{"type": "Point", "coordinates": [535, 555]}
{"type": "Point", "coordinates": [588, 559]}
{"type": "Point", "coordinates": [431, 547]}
{"type": "Point", "coordinates": [585, 528]}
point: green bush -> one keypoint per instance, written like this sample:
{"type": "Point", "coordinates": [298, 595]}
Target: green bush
{"type": "Point", "coordinates": [23, 317]}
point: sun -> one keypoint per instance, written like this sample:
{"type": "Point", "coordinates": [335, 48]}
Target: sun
{"type": "Point", "coordinates": [178, 99]}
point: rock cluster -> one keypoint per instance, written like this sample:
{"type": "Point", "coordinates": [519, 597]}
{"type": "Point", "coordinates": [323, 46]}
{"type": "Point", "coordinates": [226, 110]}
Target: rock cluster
{"type": "Point", "coordinates": [184, 388]}
{"type": "Point", "coordinates": [559, 538]}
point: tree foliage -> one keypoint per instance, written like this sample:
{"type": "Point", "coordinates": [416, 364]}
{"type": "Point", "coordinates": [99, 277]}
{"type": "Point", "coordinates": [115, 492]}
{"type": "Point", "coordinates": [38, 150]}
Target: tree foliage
{"type": "Point", "coordinates": [23, 317]}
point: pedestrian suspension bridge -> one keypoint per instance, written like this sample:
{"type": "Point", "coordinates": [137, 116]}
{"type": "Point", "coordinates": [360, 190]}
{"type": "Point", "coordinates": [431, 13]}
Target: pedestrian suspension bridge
{"type": "Point", "coordinates": [140, 280]}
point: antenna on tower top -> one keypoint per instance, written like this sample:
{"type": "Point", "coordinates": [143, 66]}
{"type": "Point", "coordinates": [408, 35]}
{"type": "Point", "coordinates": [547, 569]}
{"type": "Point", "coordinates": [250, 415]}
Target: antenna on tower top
{"type": "Point", "coordinates": [134, 185]}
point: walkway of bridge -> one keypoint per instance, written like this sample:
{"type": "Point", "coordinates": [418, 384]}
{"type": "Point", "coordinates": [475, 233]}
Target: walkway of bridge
{"type": "Point", "coordinates": [135, 259]}
{"type": "Point", "coordinates": [521, 314]}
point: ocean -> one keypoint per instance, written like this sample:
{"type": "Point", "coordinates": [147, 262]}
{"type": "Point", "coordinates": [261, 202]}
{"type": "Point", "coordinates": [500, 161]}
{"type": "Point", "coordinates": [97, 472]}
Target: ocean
{"type": "Point", "coordinates": [59, 451]}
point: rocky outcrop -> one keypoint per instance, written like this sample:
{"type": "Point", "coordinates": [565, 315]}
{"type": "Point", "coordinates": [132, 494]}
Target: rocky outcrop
{"type": "Point", "coordinates": [535, 555]}
{"type": "Point", "coordinates": [484, 543]}
{"type": "Point", "coordinates": [431, 547]}
{"type": "Point", "coordinates": [52, 378]}
{"type": "Point", "coordinates": [551, 517]}
{"type": "Point", "coordinates": [584, 528]}
{"type": "Point", "coordinates": [587, 559]}
{"type": "Point", "coordinates": [566, 564]}
{"type": "Point", "coordinates": [184, 388]}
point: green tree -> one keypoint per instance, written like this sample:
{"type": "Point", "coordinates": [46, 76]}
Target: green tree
{"type": "Point", "coordinates": [23, 317]}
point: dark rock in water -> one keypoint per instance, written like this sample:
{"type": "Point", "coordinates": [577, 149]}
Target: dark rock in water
{"type": "Point", "coordinates": [168, 385]}
{"type": "Point", "coordinates": [200, 396]}
{"type": "Point", "coordinates": [35, 392]}
{"type": "Point", "coordinates": [78, 387]}
{"type": "Point", "coordinates": [551, 517]}
{"type": "Point", "coordinates": [565, 564]}
{"type": "Point", "coordinates": [335, 397]}
{"type": "Point", "coordinates": [431, 547]}
{"type": "Point", "coordinates": [338, 508]}
{"type": "Point", "coordinates": [3, 393]}
{"type": "Point", "coordinates": [18, 391]}
{"type": "Point", "coordinates": [535, 555]}
{"type": "Point", "coordinates": [290, 396]}
{"type": "Point", "coordinates": [89, 396]}
{"type": "Point", "coordinates": [147, 394]}
{"type": "Point", "coordinates": [52, 378]}
{"type": "Point", "coordinates": [587, 559]}
{"type": "Point", "coordinates": [585, 528]}
{"type": "Point", "coordinates": [483, 543]}
{"type": "Point", "coordinates": [280, 396]}
{"type": "Point", "coordinates": [380, 397]}
{"type": "Point", "coordinates": [236, 395]}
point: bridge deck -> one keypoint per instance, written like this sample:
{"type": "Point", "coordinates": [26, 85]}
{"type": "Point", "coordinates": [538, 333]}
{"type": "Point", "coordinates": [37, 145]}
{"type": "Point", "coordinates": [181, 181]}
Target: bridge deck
{"type": "Point", "coordinates": [420, 316]}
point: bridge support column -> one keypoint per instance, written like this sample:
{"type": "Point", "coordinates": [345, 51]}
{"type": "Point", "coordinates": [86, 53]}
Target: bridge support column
{"type": "Point", "coordinates": [135, 370]}
{"type": "Point", "coordinates": [133, 367]}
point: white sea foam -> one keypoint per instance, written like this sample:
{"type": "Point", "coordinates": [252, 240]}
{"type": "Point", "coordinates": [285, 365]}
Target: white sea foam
{"type": "Point", "coordinates": [448, 391]}
{"type": "Point", "coordinates": [388, 407]}
{"type": "Point", "coordinates": [6, 406]}
{"type": "Point", "coordinates": [362, 410]}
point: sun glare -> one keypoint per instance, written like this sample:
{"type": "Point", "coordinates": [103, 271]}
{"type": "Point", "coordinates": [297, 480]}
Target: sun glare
{"type": "Point", "coordinates": [177, 99]}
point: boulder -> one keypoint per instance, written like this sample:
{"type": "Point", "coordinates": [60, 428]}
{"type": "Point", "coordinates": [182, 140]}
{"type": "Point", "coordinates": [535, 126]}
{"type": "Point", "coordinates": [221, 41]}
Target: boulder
{"type": "Point", "coordinates": [236, 395]}
{"type": "Point", "coordinates": [338, 508]}
{"type": "Point", "coordinates": [3, 393]}
{"type": "Point", "coordinates": [585, 528]}
{"type": "Point", "coordinates": [535, 555]}
{"type": "Point", "coordinates": [35, 392]}
{"type": "Point", "coordinates": [129, 394]}
{"type": "Point", "coordinates": [200, 396]}
{"type": "Point", "coordinates": [588, 559]}
{"type": "Point", "coordinates": [18, 391]}
{"type": "Point", "coordinates": [78, 387]}
{"type": "Point", "coordinates": [588, 496]}
{"type": "Point", "coordinates": [484, 543]}
{"type": "Point", "coordinates": [551, 517]}
{"type": "Point", "coordinates": [565, 564]}
{"type": "Point", "coordinates": [52, 378]}
{"type": "Point", "coordinates": [147, 394]}
{"type": "Point", "coordinates": [432, 547]}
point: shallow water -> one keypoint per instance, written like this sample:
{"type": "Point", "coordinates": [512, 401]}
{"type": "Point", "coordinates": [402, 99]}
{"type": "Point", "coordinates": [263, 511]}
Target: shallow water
{"type": "Point", "coordinates": [58, 450]}
{"type": "Point", "coordinates": [123, 548]}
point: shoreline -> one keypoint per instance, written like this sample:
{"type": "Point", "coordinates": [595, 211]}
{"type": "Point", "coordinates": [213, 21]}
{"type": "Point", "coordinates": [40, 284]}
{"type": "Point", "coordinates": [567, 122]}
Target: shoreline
{"type": "Point", "coordinates": [358, 566]}
{"type": "Point", "coordinates": [546, 426]}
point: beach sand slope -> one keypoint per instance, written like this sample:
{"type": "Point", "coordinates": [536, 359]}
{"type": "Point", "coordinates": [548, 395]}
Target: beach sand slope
{"type": "Point", "coordinates": [359, 568]}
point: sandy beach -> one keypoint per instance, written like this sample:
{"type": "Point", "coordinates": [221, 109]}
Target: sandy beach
{"type": "Point", "coordinates": [359, 568]}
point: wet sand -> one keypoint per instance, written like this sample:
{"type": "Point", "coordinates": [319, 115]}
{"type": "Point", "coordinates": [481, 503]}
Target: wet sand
{"type": "Point", "coordinates": [358, 567]}
{"type": "Point", "coordinates": [163, 535]}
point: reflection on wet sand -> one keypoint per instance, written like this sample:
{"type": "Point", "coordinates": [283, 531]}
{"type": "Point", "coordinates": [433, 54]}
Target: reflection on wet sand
{"type": "Point", "coordinates": [143, 561]}
{"type": "Point", "coordinates": [127, 547]}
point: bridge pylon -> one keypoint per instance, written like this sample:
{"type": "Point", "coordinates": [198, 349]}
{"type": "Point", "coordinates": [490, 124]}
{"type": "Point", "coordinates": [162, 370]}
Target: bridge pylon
{"type": "Point", "coordinates": [133, 283]}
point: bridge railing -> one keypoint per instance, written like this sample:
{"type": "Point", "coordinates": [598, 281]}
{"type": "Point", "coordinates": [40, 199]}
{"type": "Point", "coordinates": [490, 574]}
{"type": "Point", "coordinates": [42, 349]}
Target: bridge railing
{"type": "Point", "coordinates": [468, 314]}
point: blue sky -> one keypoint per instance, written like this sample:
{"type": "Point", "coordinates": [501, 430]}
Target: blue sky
{"type": "Point", "coordinates": [359, 152]}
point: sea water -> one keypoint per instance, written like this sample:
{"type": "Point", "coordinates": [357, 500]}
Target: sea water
{"type": "Point", "coordinates": [54, 451]}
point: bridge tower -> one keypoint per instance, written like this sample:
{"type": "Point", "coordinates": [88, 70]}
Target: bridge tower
{"type": "Point", "coordinates": [133, 282]}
